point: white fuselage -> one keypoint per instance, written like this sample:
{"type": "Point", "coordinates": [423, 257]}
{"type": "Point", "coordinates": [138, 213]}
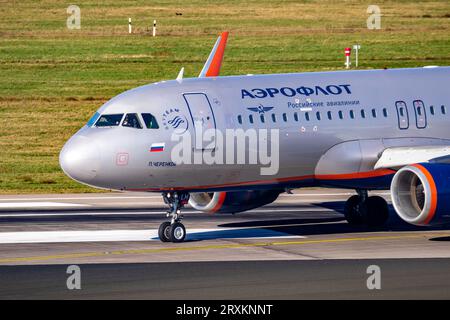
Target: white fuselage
{"type": "Point", "coordinates": [332, 127]}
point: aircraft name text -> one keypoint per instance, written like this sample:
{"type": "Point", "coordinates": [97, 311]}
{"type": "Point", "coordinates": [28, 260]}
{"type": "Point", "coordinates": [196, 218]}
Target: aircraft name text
{"type": "Point", "coordinates": [292, 92]}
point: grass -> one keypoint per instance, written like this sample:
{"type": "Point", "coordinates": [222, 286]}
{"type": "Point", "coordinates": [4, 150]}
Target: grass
{"type": "Point", "coordinates": [53, 79]}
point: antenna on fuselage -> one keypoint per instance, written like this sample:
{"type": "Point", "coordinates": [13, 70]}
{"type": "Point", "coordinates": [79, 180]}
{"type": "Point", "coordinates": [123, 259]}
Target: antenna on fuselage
{"type": "Point", "coordinates": [214, 62]}
{"type": "Point", "coordinates": [180, 75]}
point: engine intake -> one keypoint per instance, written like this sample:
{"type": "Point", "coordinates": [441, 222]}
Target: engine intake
{"type": "Point", "coordinates": [420, 193]}
{"type": "Point", "coordinates": [232, 202]}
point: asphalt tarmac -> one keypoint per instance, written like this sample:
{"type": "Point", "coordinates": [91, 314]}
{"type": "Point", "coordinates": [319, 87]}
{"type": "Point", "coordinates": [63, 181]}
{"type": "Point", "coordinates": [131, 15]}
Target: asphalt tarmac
{"type": "Point", "coordinates": [260, 280]}
{"type": "Point", "coordinates": [298, 247]}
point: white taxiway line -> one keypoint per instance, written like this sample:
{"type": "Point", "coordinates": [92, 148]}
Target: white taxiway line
{"type": "Point", "coordinates": [39, 204]}
{"type": "Point", "coordinates": [330, 194]}
{"type": "Point", "coordinates": [131, 235]}
{"type": "Point", "coordinates": [132, 213]}
{"type": "Point", "coordinates": [62, 198]}
{"type": "Point", "coordinates": [106, 197]}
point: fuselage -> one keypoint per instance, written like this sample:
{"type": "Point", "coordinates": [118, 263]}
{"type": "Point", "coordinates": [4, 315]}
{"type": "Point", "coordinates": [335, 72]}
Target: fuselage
{"type": "Point", "coordinates": [331, 128]}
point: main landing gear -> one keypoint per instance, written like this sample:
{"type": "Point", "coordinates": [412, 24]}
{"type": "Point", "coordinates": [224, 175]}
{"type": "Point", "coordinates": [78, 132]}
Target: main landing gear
{"type": "Point", "coordinates": [364, 210]}
{"type": "Point", "coordinates": [173, 231]}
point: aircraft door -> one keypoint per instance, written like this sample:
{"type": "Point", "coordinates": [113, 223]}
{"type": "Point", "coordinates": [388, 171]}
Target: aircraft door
{"type": "Point", "coordinates": [403, 116]}
{"type": "Point", "coordinates": [202, 117]}
{"type": "Point", "coordinates": [421, 115]}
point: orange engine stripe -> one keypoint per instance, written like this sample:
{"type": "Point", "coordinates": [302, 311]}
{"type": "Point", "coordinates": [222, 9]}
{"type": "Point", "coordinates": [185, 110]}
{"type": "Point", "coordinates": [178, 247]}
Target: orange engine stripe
{"type": "Point", "coordinates": [219, 204]}
{"type": "Point", "coordinates": [433, 188]}
{"type": "Point", "coordinates": [214, 67]}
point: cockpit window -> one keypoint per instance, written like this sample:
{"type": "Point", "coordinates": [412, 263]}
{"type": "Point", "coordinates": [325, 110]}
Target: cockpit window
{"type": "Point", "coordinates": [92, 120]}
{"type": "Point", "coordinates": [150, 121]}
{"type": "Point", "coordinates": [109, 120]}
{"type": "Point", "coordinates": [131, 120]}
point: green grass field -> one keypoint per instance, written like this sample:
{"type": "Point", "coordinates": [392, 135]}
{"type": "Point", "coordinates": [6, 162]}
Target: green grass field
{"type": "Point", "coordinates": [53, 79]}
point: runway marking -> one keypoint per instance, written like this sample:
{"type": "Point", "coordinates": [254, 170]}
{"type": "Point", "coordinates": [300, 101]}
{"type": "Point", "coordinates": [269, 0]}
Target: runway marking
{"type": "Point", "coordinates": [72, 236]}
{"type": "Point", "coordinates": [131, 213]}
{"type": "Point", "coordinates": [209, 247]}
{"type": "Point", "coordinates": [76, 236]}
{"type": "Point", "coordinates": [39, 204]}
{"type": "Point", "coordinates": [331, 194]}
{"type": "Point", "coordinates": [107, 196]}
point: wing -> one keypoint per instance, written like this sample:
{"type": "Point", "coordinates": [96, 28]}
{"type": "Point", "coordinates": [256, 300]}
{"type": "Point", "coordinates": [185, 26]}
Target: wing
{"type": "Point", "coordinates": [398, 157]}
{"type": "Point", "coordinates": [214, 62]}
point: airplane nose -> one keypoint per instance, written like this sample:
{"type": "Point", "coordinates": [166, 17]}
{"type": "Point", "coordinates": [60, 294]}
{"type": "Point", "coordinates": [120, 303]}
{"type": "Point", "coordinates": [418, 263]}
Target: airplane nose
{"type": "Point", "coordinates": [80, 159]}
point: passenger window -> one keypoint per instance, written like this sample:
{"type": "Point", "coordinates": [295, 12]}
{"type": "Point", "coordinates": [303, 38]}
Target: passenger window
{"type": "Point", "coordinates": [352, 114]}
{"type": "Point", "coordinates": [109, 120]}
{"type": "Point", "coordinates": [363, 113]}
{"type": "Point", "coordinates": [330, 117]}
{"type": "Point", "coordinates": [284, 117]}
{"type": "Point", "coordinates": [239, 119]}
{"type": "Point", "coordinates": [318, 115]}
{"type": "Point", "coordinates": [263, 119]}
{"type": "Point", "coordinates": [385, 113]}
{"type": "Point", "coordinates": [402, 113]}
{"type": "Point", "coordinates": [307, 116]}
{"type": "Point", "coordinates": [341, 115]}
{"type": "Point", "coordinates": [274, 117]}
{"type": "Point", "coordinates": [250, 118]}
{"type": "Point", "coordinates": [150, 121]}
{"type": "Point", "coordinates": [432, 110]}
{"type": "Point", "coordinates": [295, 116]}
{"type": "Point", "coordinates": [443, 110]}
{"type": "Point", "coordinates": [131, 120]}
{"type": "Point", "coordinates": [374, 113]}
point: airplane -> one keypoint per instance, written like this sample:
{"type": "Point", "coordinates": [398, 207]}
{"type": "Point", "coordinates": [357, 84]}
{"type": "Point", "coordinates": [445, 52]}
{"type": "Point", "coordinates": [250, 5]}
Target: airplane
{"type": "Point", "coordinates": [356, 129]}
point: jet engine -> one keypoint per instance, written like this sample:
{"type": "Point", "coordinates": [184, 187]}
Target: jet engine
{"type": "Point", "coordinates": [232, 202]}
{"type": "Point", "coordinates": [421, 193]}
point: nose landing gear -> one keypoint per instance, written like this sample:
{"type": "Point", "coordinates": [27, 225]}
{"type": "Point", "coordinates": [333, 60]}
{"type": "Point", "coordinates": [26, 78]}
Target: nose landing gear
{"type": "Point", "coordinates": [173, 231]}
{"type": "Point", "coordinates": [364, 210]}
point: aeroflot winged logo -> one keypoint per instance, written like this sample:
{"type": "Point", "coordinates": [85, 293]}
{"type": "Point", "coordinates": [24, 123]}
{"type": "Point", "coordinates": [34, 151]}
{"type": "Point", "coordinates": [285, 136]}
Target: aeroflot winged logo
{"type": "Point", "coordinates": [175, 119]}
{"type": "Point", "coordinates": [328, 90]}
{"type": "Point", "coordinates": [260, 109]}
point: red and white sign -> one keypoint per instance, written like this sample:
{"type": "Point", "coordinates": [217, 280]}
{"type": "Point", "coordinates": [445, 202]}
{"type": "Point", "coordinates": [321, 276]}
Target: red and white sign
{"type": "Point", "coordinates": [348, 51]}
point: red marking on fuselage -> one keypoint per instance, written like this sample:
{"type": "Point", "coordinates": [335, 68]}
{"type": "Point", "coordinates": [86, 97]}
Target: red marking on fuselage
{"type": "Point", "coordinates": [357, 175]}
{"type": "Point", "coordinates": [347, 176]}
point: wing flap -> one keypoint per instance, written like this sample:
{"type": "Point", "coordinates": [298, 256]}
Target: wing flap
{"type": "Point", "coordinates": [401, 156]}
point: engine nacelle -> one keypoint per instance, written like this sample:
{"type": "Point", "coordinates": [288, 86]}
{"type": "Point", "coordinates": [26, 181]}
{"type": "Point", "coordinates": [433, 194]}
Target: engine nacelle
{"type": "Point", "coordinates": [232, 202]}
{"type": "Point", "coordinates": [421, 193]}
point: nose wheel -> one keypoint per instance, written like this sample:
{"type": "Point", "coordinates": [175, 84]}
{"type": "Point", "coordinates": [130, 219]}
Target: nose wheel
{"type": "Point", "coordinates": [173, 231]}
{"type": "Point", "coordinates": [164, 232]}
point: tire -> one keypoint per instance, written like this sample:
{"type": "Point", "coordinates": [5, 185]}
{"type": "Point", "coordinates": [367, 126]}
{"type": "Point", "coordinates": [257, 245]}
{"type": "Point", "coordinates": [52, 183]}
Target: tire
{"type": "Point", "coordinates": [375, 211]}
{"type": "Point", "coordinates": [177, 232]}
{"type": "Point", "coordinates": [352, 212]}
{"type": "Point", "coordinates": [164, 232]}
